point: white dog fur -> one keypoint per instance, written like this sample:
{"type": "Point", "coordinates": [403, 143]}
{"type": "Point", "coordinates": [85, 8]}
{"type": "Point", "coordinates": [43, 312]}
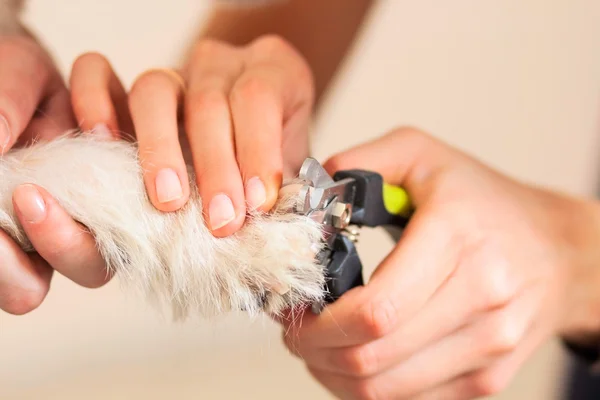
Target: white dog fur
{"type": "Point", "coordinates": [173, 258]}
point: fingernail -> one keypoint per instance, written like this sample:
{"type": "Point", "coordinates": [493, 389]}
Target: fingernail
{"type": "Point", "coordinates": [220, 211]}
{"type": "Point", "coordinates": [30, 203]}
{"type": "Point", "coordinates": [256, 194]}
{"type": "Point", "coordinates": [168, 186]}
{"type": "Point", "coordinates": [102, 131]}
{"type": "Point", "coordinates": [4, 133]}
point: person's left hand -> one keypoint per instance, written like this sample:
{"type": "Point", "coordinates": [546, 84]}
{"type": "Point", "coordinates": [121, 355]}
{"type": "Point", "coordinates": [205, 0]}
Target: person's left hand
{"type": "Point", "coordinates": [482, 275]}
{"type": "Point", "coordinates": [245, 110]}
{"type": "Point", "coordinates": [35, 106]}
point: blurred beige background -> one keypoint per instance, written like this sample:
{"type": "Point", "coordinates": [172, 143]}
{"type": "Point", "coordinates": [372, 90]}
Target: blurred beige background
{"type": "Point", "coordinates": [515, 82]}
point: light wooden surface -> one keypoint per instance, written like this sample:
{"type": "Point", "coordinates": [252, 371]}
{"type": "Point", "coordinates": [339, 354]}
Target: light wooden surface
{"type": "Point", "coordinates": [515, 82]}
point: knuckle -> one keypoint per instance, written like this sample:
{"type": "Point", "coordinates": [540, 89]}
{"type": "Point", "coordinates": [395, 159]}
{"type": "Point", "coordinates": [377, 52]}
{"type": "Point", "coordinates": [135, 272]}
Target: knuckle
{"type": "Point", "coordinates": [360, 361]}
{"type": "Point", "coordinates": [206, 100]}
{"type": "Point", "coordinates": [378, 319]}
{"type": "Point", "coordinates": [497, 288]}
{"type": "Point", "coordinates": [207, 48]}
{"type": "Point", "coordinates": [413, 135]}
{"type": "Point", "coordinates": [488, 383]}
{"type": "Point", "coordinates": [249, 88]}
{"type": "Point", "coordinates": [505, 336]}
{"type": "Point", "coordinates": [299, 69]}
{"type": "Point", "coordinates": [491, 275]}
{"type": "Point", "coordinates": [272, 43]}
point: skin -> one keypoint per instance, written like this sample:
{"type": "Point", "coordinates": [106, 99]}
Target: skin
{"type": "Point", "coordinates": [248, 93]}
{"type": "Point", "coordinates": [487, 269]}
{"type": "Point", "coordinates": [98, 102]}
{"type": "Point", "coordinates": [34, 103]}
{"type": "Point", "coordinates": [484, 273]}
{"type": "Point", "coordinates": [242, 106]}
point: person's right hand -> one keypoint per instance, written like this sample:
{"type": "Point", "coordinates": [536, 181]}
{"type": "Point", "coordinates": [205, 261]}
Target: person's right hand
{"type": "Point", "coordinates": [246, 112]}
{"type": "Point", "coordinates": [35, 104]}
{"type": "Point", "coordinates": [485, 272]}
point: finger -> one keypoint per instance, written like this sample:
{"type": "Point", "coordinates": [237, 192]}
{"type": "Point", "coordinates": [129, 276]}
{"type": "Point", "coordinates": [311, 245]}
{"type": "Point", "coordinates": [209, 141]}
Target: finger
{"type": "Point", "coordinates": [487, 381]}
{"type": "Point", "coordinates": [154, 102]}
{"type": "Point", "coordinates": [98, 96]}
{"type": "Point", "coordinates": [472, 348]}
{"type": "Point", "coordinates": [483, 343]}
{"type": "Point", "coordinates": [274, 90]}
{"type": "Point", "coordinates": [458, 389]}
{"type": "Point", "coordinates": [24, 281]}
{"type": "Point", "coordinates": [27, 78]}
{"type": "Point", "coordinates": [465, 294]}
{"type": "Point", "coordinates": [210, 131]}
{"type": "Point", "coordinates": [404, 157]}
{"type": "Point", "coordinates": [449, 309]}
{"type": "Point", "coordinates": [66, 245]}
{"type": "Point", "coordinates": [52, 120]}
{"type": "Point", "coordinates": [404, 283]}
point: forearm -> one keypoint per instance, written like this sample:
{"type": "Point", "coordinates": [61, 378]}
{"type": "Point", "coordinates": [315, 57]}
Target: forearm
{"type": "Point", "coordinates": [321, 30]}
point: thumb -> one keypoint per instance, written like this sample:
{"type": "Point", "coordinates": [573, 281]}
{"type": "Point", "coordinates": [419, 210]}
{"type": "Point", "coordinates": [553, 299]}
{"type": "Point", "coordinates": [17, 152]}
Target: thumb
{"type": "Point", "coordinates": [426, 254]}
{"type": "Point", "coordinates": [404, 157]}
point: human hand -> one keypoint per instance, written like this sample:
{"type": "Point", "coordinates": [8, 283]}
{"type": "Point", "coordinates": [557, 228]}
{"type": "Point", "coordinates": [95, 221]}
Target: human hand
{"type": "Point", "coordinates": [34, 104]}
{"type": "Point", "coordinates": [482, 275]}
{"type": "Point", "coordinates": [246, 112]}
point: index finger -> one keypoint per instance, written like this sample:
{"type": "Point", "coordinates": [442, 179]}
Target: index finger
{"type": "Point", "coordinates": [401, 286]}
{"type": "Point", "coordinates": [26, 75]}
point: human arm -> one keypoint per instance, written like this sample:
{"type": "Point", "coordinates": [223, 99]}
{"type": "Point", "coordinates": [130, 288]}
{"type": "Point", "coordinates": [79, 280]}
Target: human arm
{"type": "Point", "coordinates": [486, 271]}
{"type": "Point", "coordinates": [252, 78]}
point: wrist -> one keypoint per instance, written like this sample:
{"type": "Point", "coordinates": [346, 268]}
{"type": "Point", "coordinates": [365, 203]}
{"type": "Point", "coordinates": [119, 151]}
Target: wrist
{"type": "Point", "coordinates": [580, 322]}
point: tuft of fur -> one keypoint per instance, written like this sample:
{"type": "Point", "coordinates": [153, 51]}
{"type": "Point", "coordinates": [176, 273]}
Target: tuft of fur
{"type": "Point", "coordinates": [172, 258]}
